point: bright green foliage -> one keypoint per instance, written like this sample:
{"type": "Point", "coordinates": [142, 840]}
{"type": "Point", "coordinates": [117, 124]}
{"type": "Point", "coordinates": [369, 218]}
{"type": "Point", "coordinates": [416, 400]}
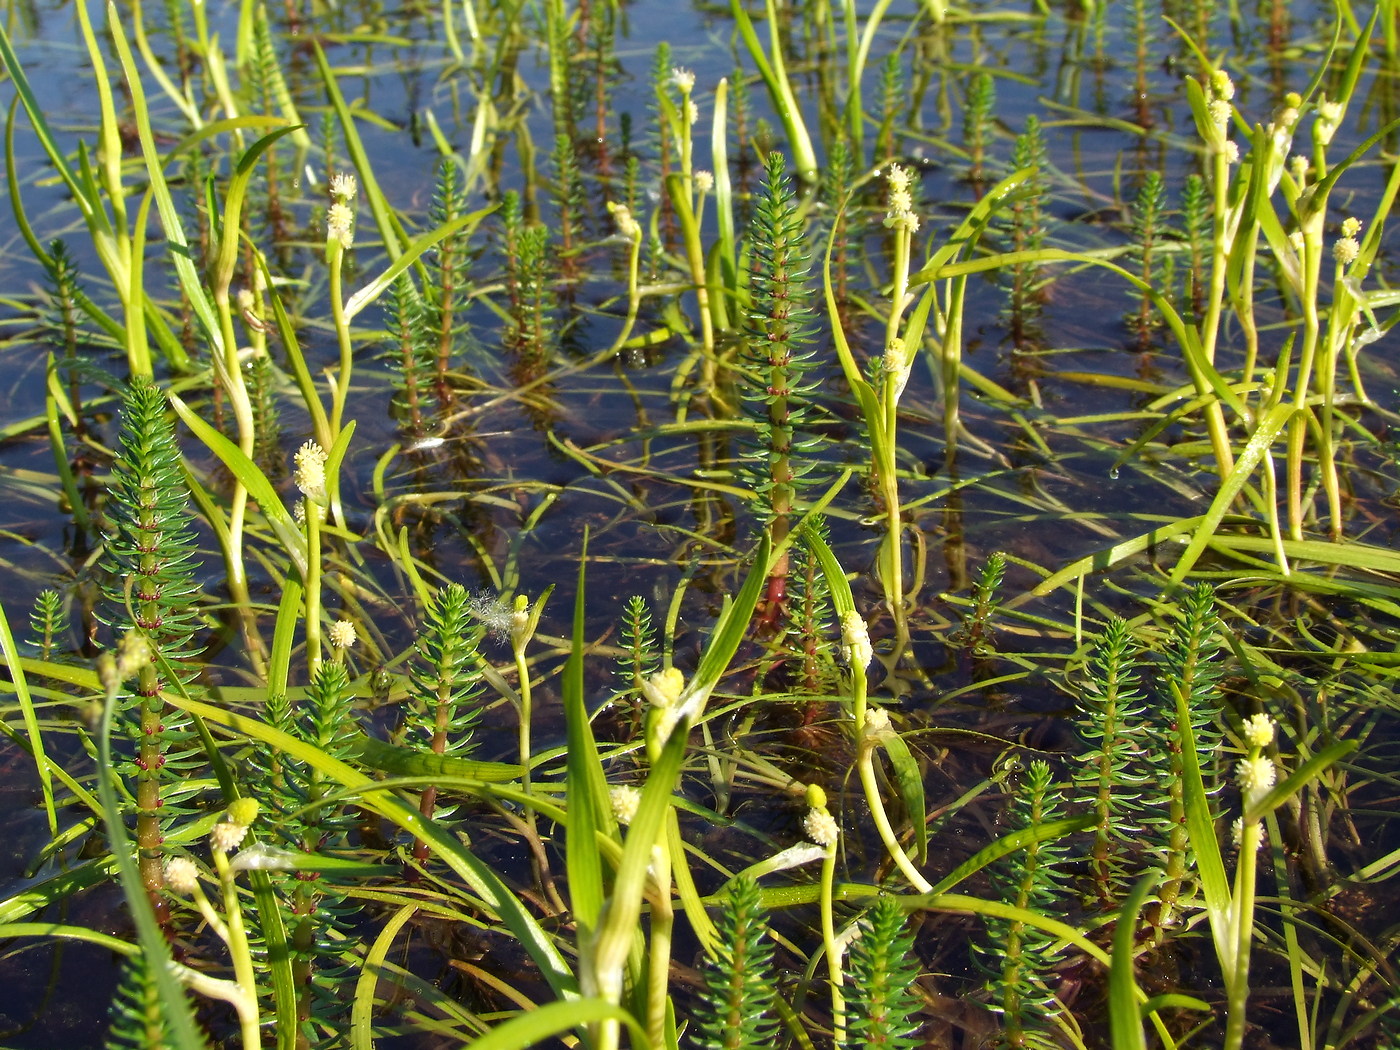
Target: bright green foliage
{"type": "Point", "coordinates": [47, 623]}
{"type": "Point", "coordinates": [1195, 223]}
{"type": "Point", "coordinates": [446, 681]}
{"type": "Point", "coordinates": [567, 187]}
{"type": "Point", "coordinates": [640, 657]}
{"type": "Point", "coordinates": [811, 618]}
{"type": "Point", "coordinates": [977, 120]}
{"type": "Point", "coordinates": [736, 1003]}
{"type": "Point", "coordinates": [150, 587]}
{"type": "Point", "coordinates": [1111, 722]}
{"type": "Point", "coordinates": [267, 450]}
{"type": "Point", "coordinates": [836, 181]}
{"type": "Point", "coordinates": [894, 98]}
{"type": "Point", "coordinates": [137, 1021]}
{"type": "Point", "coordinates": [1025, 213]}
{"type": "Point", "coordinates": [442, 301]}
{"type": "Point", "coordinates": [1191, 665]}
{"type": "Point", "coordinates": [779, 326]}
{"type": "Point", "coordinates": [1016, 955]}
{"type": "Point", "coordinates": [66, 306]}
{"type": "Point", "coordinates": [663, 95]}
{"type": "Point", "coordinates": [445, 676]}
{"type": "Point", "coordinates": [413, 354]}
{"type": "Point", "coordinates": [150, 546]}
{"type": "Point", "coordinates": [882, 1006]}
{"type": "Point", "coordinates": [530, 327]}
{"type": "Point", "coordinates": [1147, 233]}
{"type": "Point", "coordinates": [739, 112]}
{"type": "Point", "coordinates": [976, 632]}
{"type": "Point", "coordinates": [316, 913]}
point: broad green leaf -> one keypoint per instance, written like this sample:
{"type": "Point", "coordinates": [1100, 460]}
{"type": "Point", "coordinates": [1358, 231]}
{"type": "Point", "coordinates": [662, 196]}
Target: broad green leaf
{"type": "Point", "coordinates": [372, 291]}
{"type": "Point", "coordinates": [31, 720]}
{"type": "Point", "coordinates": [1007, 844]}
{"type": "Point", "coordinates": [589, 807]}
{"type": "Point", "coordinates": [362, 1006]}
{"type": "Point", "coordinates": [1200, 828]}
{"type": "Point", "coordinates": [252, 478]}
{"type": "Point", "coordinates": [911, 789]}
{"type": "Point", "coordinates": [1259, 443]}
{"type": "Point", "coordinates": [545, 1022]}
{"type": "Point", "coordinates": [1124, 1022]}
{"type": "Point", "coordinates": [484, 882]}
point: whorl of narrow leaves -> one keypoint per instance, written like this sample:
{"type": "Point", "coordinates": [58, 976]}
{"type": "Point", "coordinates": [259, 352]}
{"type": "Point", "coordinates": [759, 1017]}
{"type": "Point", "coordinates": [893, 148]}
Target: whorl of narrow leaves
{"type": "Point", "coordinates": [413, 354]}
{"type": "Point", "coordinates": [1147, 224]}
{"type": "Point", "coordinates": [1192, 666]}
{"type": "Point", "coordinates": [881, 1004]}
{"type": "Point", "coordinates": [977, 118]}
{"type": "Point", "coordinates": [66, 299]}
{"type": "Point", "coordinates": [1195, 222]}
{"type": "Point", "coordinates": [1110, 777]}
{"type": "Point", "coordinates": [444, 674]}
{"type": "Point", "coordinates": [326, 720]}
{"type": "Point", "coordinates": [894, 96]}
{"type": "Point", "coordinates": [812, 617]}
{"type": "Point", "coordinates": [1192, 662]}
{"type": "Point", "coordinates": [150, 546]}
{"type": "Point", "coordinates": [137, 1021]}
{"type": "Point", "coordinates": [1016, 955]}
{"type": "Point", "coordinates": [48, 622]}
{"type": "Point", "coordinates": [779, 325]}
{"type": "Point", "coordinates": [639, 657]}
{"type": "Point", "coordinates": [736, 1004]}
{"type": "Point", "coordinates": [442, 301]}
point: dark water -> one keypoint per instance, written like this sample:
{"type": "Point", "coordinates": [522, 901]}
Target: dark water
{"type": "Point", "coordinates": [1035, 477]}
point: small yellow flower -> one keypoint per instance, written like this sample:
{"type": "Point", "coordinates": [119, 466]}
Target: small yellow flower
{"type": "Point", "coordinates": [243, 811]}
{"type": "Point", "coordinates": [1221, 85]}
{"type": "Point", "coordinates": [1298, 167]}
{"type": "Point", "coordinates": [627, 225]}
{"type": "Point", "coordinates": [664, 688]}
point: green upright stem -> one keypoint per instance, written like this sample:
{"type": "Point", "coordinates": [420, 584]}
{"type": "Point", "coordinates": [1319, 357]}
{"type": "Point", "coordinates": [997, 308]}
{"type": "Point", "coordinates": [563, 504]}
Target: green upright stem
{"type": "Point", "coordinates": [663, 920]}
{"type": "Point", "coordinates": [313, 587]}
{"type": "Point", "coordinates": [833, 949]}
{"type": "Point", "coordinates": [1215, 302]}
{"type": "Point", "coordinates": [335, 254]}
{"type": "Point", "coordinates": [239, 950]}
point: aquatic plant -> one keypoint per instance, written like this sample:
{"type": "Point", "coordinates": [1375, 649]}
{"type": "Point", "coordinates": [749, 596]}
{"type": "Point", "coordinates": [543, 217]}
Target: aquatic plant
{"type": "Point", "coordinates": [150, 588]}
{"type": "Point", "coordinates": [453, 844]}
{"type": "Point", "coordinates": [779, 358]}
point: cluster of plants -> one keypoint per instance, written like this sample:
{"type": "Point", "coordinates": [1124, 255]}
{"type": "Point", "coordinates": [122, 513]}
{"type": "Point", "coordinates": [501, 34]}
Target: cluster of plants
{"type": "Point", "coordinates": [310, 728]}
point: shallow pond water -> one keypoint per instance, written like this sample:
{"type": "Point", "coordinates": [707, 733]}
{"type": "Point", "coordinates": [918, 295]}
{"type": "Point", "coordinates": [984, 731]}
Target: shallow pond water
{"type": "Point", "coordinates": [1082, 425]}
